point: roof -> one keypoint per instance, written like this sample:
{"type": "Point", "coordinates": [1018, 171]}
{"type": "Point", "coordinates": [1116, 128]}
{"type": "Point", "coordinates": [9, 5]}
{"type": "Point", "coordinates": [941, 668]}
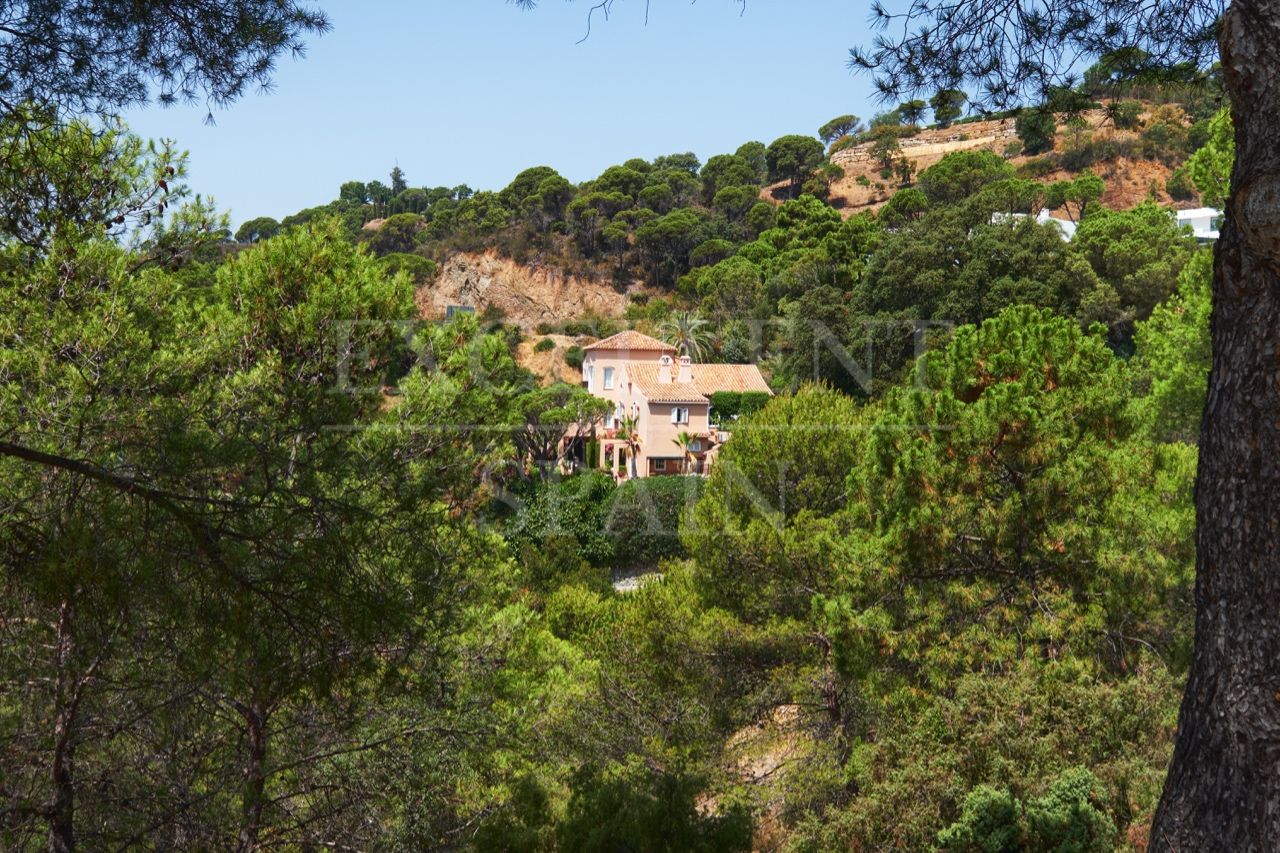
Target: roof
{"type": "Point", "coordinates": [707, 380]}
{"type": "Point", "coordinates": [645, 376]}
{"type": "Point", "coordinates": [711, 378]}
{"type": "Point", "coordinates": [1197, 213]}
{"type": "Point", "coordinates": [631, 340]}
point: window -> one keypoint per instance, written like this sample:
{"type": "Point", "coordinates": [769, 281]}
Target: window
{"type": "Point", "coordinates": [590, 373]}
{"type": "Point", "coordinates": [679, 415]}
{"type": "Point", "coordinates": [695, 446]}
{"type": "Point", "coordinates": [660, 465]}
{"type": "Point", "coordinates": [608, 379]}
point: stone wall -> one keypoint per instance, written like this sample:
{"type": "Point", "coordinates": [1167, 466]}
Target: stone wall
{"type": "Point", "coordinates": [934, 145]}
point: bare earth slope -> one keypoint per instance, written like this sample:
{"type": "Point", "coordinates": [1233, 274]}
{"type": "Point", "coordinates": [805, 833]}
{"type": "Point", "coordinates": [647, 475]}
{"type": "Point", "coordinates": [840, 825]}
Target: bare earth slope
{"type": "Point", "coordinates": [523, 294]}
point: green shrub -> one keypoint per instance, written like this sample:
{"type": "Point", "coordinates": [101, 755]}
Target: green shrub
{"type": "Point", "coordinates": [575, 508]}
{"type": "Point", "coordinates": [1165, 141]}
{"type": "Point", "coordinates": [1126, 115]}
{"type": "Point", "coordinates": [1072, 816]}
{"type": "Point", "coordinates": [644, 518]}
{"type": "Point", "coordinates": [600, 327]}
{"type": "Point", "coordinates": [574, 356]}
{"type": "Point", "coordinates": [1036, 167]}
{"type": "Point", "coordinates": [754, 401]}
{"type": "Point", "coordinates": [544, 345]}
{"type": "Point", "coordinates": [557, 561]}
{"type": "Point", "coordinates": [989, 823]}
{"type": "Point", "coordinates": [731, 404]}
{"type": "Point", "coordinates": [1036, 129]}
{"type": "Point", "coordinates": [420, 269]}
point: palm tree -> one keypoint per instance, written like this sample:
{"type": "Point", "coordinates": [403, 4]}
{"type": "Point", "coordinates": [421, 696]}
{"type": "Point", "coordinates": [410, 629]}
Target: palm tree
{"type": "Point", "coordinates": [687, 332]}
{"type": "Point", "coordinates": [685, 441]}
{"type": "Point", "coordinates": [628, 432]}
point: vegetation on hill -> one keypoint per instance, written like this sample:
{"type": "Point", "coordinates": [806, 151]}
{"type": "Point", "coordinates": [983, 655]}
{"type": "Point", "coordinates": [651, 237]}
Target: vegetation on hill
{"type": "Point", "coordinates": [286, 564]}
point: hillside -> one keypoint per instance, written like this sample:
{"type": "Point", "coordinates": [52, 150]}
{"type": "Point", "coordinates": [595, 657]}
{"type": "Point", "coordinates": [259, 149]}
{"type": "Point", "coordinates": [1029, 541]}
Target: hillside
{"type": "Point", "coordinates": [526, 295]}
{"type": "Point", "coordinates": [1129, 180]}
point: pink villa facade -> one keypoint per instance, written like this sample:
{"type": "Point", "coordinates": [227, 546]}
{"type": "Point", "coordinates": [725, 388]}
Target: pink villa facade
{"type": "Point", "coordinates": [668, 395]}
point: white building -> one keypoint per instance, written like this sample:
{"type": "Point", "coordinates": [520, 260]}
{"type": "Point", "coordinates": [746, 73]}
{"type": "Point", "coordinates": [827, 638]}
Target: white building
{"type": "Point", "coordinates": [1204, 222]}
{"type": "Point", "coordinates": [1066, 226]}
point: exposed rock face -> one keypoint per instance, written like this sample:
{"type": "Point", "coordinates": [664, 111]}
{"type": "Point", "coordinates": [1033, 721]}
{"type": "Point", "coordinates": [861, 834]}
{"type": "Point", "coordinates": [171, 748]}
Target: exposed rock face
{"type": "Point", "coordinates": [526, 295]}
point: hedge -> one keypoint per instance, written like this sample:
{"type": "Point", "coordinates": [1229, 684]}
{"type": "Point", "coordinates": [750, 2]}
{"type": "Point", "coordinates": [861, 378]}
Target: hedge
{"type": "Point", "coordinates": [730, 404]}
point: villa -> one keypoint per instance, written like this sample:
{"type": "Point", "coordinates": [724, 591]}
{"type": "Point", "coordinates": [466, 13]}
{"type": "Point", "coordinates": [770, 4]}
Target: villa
{"type": "Point", "coordinates": [1204, 222]}
{"type": "Point", "coordinates": [665, 399]}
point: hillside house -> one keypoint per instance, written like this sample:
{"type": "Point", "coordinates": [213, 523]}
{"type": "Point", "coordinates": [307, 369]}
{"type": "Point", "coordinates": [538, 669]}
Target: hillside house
{"type": "Point", "coordinates": [1204, 222]}
{"type": "Point", "coordinates": [666, 395]}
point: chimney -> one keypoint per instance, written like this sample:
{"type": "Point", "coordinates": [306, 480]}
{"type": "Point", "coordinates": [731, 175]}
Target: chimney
{"type": "Point", "coordinates": [664, 370]}
{"type": "Point", "coordinates": [686, 370]}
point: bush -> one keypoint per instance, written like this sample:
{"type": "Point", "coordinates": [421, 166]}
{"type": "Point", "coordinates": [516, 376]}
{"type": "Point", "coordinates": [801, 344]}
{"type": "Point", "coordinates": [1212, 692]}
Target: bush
{"type": "Point", "coordinates": [574, 356]}
{"type": "Point", "coordinates": [420, 269]}
{"type": "Point", "coordinates": [544, 345]}
{"type": "Point", "coordinates": [600, 327]}
{"type": "Point", "coordinates": [1125, 115]}
{"type": "Point", "coordinates": [1070, 816]}
{"type": "Point", "coordinates": [728, 405]}
{"type": "Point", "coordinates": [1036, 129]}
{"type": "Point", "coordinates": [989, 823]}
{"type": "Point", "coordinates": [557, 561]}
{"type": "Point", "coordinates": [1179, 186]}
{"type": "Point", "coordinates": [1037, 167]}
{"type": "Point", "coordinates": [575, 509]}
{"type": "Point", "coordinates": [1165, 141]}
{"type": "Point", "coordinates": [644, 518]}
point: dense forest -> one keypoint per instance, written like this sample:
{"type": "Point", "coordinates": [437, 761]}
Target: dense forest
{"type": "Point", "coordinates": [287, 565]}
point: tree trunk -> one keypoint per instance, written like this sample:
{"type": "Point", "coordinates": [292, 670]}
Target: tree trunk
{"type": "Point", "coordinates": [1223, 788]}
{"type": "Point", "coordinates": [62, 838]}
{"type": "Point", "coordinates": [255, 778]}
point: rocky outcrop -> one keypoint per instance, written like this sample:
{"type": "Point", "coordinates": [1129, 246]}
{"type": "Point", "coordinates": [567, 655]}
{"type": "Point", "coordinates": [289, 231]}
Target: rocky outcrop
{"type": "Point", "coordinates": [526, 295]}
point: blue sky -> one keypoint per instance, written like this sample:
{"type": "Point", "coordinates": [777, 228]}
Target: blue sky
{"type": "Point", "coordinates": [473, 91]}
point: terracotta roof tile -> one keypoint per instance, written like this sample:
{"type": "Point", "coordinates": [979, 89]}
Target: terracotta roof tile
{"type": "Point", "coordinates": [631, 340]}
{"type": "Point", "coordinates": [645, 376]}
{"type": "Point", "coordinates": [707, 379]}
{"type": "Point", "coordinates": [711, 378]}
